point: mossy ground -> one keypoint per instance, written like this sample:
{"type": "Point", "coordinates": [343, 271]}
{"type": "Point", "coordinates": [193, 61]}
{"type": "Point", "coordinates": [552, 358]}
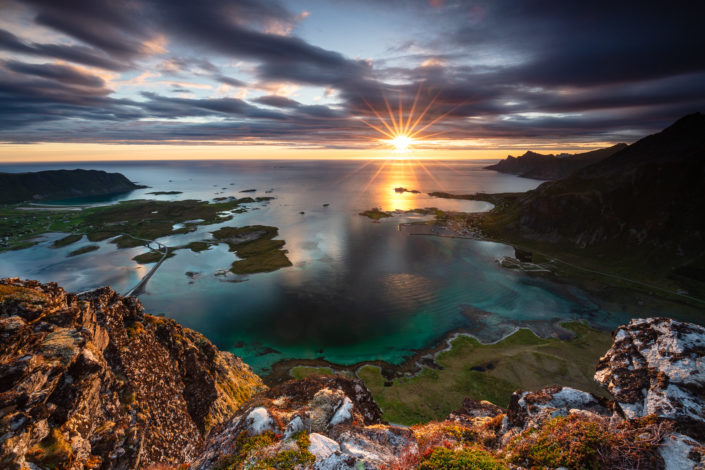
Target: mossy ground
{"type": "Point", "coordinates": [22, 294]}
{"type": "Point", "coordinates": [490, 372]}
{"type": "Point", "coordinates": [442, 458]}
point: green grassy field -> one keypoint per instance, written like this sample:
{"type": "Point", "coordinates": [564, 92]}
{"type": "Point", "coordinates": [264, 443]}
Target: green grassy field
{"type": "Point", "coordinates": [490, 372]}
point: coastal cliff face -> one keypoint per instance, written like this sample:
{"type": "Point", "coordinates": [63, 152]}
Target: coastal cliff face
{"type": "Point", "coordinates": [61, 184]}
{"type": "Point", "coordinates": [91, 381]}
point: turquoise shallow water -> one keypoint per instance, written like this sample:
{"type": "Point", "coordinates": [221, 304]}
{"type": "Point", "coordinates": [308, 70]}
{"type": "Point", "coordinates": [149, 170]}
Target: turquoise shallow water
{"type": "Point", "coordinates": [358, 290]}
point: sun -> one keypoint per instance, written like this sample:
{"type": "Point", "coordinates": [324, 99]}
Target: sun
{"type": "Point", "coordinates": [401, 143]}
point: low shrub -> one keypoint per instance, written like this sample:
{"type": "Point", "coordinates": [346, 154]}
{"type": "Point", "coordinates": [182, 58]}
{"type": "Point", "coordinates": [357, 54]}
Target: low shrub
{"type": "Point", "coordinates": [590, 443]}
{"type": "Point", "coordinates": [441, 458]}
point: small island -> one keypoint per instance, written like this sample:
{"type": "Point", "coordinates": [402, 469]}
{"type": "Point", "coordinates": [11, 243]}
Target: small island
{"type": "Point", "coordinates": [402, 190]}
{"type": "Point", "coordinates": [255, 245]}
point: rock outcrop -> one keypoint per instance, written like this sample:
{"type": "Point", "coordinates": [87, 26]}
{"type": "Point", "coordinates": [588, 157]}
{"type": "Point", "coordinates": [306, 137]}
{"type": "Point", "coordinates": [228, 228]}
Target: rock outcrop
{"type": "Point", "coordinates": [657, 366]}
{"type": "Point", "coordinates": [91, 381]}
{"type": "Point", "coordinates": [340, 422]}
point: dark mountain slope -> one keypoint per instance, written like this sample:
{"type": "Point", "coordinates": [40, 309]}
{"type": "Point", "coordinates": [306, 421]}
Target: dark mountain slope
{"type": "Point", "coordinates": [61, 184]}
{"type": "Point", "coordinates": [650, 194]}
{"type": "Point", "coordinates": [552, 167]}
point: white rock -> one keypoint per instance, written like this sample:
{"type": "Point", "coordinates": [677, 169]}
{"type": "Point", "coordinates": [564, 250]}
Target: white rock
{"type": "Point", "coordinates": [343, 413]}
{"type": "Point", "coordinates": [259, 421]}
{"type": "Point", "coordinates": [294, 426]}
{"type": "Point", "coordinates": [674, 452]}
{"type": "Point", "coordinates": [321, 446]}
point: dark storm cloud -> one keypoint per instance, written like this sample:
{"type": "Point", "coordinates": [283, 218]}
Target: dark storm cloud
{"type": "Point", "coordinates": [78, 54]}
{"type": "Point", "coordinates": [61, 73]}
{"type": "Point", "coordinates": [590, 43]}
{"type": "Point", "coordinates": [170, 107]}
{"type": "Point", "coordinates": [277, 101]}
{"type": "Point", "coordinates": [492, 68]}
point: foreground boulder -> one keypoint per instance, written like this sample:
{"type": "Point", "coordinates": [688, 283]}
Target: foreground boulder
{"type": "Point", "coordinates": [91, 381]}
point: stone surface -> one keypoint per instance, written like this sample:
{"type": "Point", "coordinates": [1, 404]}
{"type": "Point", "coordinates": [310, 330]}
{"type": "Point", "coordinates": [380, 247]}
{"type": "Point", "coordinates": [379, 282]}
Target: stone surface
{"type": "Point", "coordinates": [342, 421]}
{"type": "Point", "coordinates": [657, 366]}
{"type": "Point", "coordinates": [92, 379]}
{"type": "Point", "coordinates": [530, 409]}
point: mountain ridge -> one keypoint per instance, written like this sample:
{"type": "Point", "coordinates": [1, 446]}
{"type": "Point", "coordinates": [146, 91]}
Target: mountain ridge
{"type": "Point", "coordinates": [551, 167]}
{"type": "Point", "coordinates": [61, 184]}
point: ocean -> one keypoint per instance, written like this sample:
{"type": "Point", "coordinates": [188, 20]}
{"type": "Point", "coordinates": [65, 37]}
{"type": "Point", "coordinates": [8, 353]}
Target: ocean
{"type": "Point", "coordinates": [357, 291]}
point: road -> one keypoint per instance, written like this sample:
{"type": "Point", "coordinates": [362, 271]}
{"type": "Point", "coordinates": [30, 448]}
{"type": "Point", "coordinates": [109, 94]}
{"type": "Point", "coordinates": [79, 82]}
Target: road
{"type": "Point", "coordinates": [139, 287]}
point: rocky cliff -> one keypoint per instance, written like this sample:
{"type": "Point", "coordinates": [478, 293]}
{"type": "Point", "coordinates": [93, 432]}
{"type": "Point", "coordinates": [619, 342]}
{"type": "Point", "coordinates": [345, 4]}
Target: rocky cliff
{"type": "Point", "coordinates": [551, 167]}
{"type": "Point", "coordinates": [91, 381]}
{"type": "Point", "coordinates": [61, 184]}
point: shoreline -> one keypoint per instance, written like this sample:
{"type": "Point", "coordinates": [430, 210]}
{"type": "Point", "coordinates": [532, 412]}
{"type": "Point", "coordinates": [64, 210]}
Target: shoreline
{"type": "Point", "coordinates": [414, 365]}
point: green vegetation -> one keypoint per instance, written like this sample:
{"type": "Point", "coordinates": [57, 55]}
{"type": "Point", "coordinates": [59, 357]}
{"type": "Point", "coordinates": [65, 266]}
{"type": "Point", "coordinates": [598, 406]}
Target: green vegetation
{"type": "Point", "coordinates": [441, 458]}
{"type": "Point", "coordinates": [67, 240]}
{"type": "Point", "coordinates": [152, 256]}
{"type": "Point", "coordinates": [197, 247]}
{"type": "Point", "coordinates": [84, 249]}
{"type": "Point", "coordinates": [248, 447]}
{"type": "Point", "coordinates": [301, 372]}
{"type": "Point", "coordinates": [22, 294]}
{"type": "Point", "coordinates": [498, 199]}
{"type": "Point", "coordinates": [267, 262]}
{"type": "Point", "coordinates": [588, 443]}
{"type": "Point", "coordinates": [145, 219]}
{"type": "Point", "coordinates": [489, 372]}
{"type": "Point", "coordinates": [255, 245]}
{"type": "Point", "coordinates": [376, 214]}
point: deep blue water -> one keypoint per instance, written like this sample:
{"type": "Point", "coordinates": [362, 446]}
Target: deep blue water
{"type": "Point", "coordinates": [358, 290]}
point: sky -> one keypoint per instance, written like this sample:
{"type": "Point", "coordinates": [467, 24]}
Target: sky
{"type": "Point", "coordinates": [130, 79]}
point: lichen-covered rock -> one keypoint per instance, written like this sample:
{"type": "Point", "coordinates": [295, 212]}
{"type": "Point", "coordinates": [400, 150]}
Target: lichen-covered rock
{"type": "Point", "coordinates": [338, 416]}
{"type": "Point", "coordinates": [91, 381]}
{"type": "Point", "coordinates": [472, 409]}
{"type": "Point", "coordinates": [679, 452]}
{"type": "Point", "coordinates": [530, 409]}
{"type": "Point", "coordinates": [657, 366]}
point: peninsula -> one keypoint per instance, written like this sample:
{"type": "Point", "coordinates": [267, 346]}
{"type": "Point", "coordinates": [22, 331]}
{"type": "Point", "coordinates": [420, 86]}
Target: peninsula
{"type": "Point", "coordinates": [551, 167]}
{"type": "Point", "coordinates": [61, 184]}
